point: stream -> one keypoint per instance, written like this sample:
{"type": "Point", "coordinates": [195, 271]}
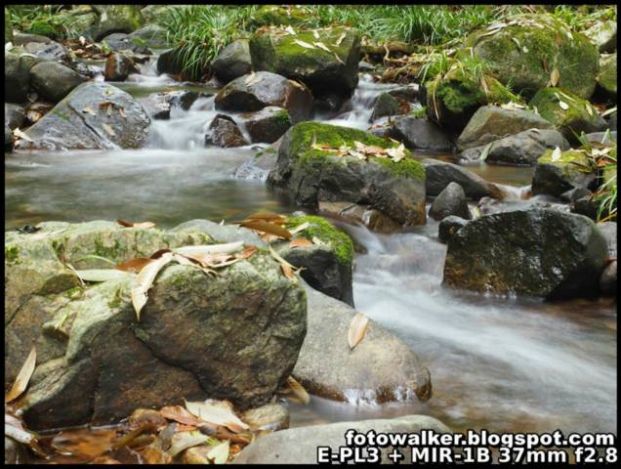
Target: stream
{"type": "Point", "coordinates": [499, 364]}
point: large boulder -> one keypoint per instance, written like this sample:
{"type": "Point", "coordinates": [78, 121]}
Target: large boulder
{"type": "Point", "coordinates": [381, 368]}
{"type": "Point", "coordinates": [441, 173]}
{"type": "Point", "coordinates": [607, 78]}
{"type": "Point", "coordinates": [568, 112]}
{"type": "Point", "coordinates": [538, 252]}
{"type": "Point", "coordinates": [17, 76]}
{"type": "Point", "coordinates": [116, 19]}
{"type": "Point", "coordinates": [122, 42]}
{"type": "Point", "coordinates": [279, 15]}
{"type": "Point", "coordinates": [233, 61]}
{"type": "Point", "coordinates": [300, 445]}
{"type": "Point", "coordinates": [118, 67]}
{"type": "Point", "coordinates": [556, 176]}
{"type": "Point", "coordinates": [604, 35]}
{"type": "Point", "coordinates": [48, 51]}
{"type": "Point", "coordinates": [529, 51]}
{"type": "Point", "coordinates": [451, 201]}
{"type": "Point", "coordinates": [97, 362]}
{"type": "Point", "coordinates": [331, 72]}
{"type": "Point", "coordinates": [311, 169]}
{"type": "Point", "coordinates": [224, 132]}
{"type": "Point", "coordinates": [92, 116]}
{"type": "Point", "coordinates": [53, 81]}
{"type": "Point", "coordinates": [253, 92]}
{"type": "Point", "coordinates": [268, 124]}
{"type": "Point", "coordinates": [492, 123]}
{"type": "Point", "coordinates": [420, 134]}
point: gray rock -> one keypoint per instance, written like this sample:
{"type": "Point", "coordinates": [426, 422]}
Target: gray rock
{"type": "Point", "coordinates": [151, 36]}
{"type": "Point", "coordinates": [604, 35]}
{"type": "Point", "coordinates": [557, 177]}
{"type": "Point", "coordinates": [605, 138]}
{"type": "Point", "coordinates": [299, 445]}
{"type": "Point", "coordinates": [250, 93]}
{"type": "Point", "coordinates": [381, 368]}
{"type": "Point", "coordinates": [116, 19]}
{"type": "Point", "coordinates": [387, 105]}
{"type": "Point", "coordinates": [48, 51]}
{"type": "Point", "coordinates": [14, 115]}
{"type": "Point", "coordinates": [408, 93]}
{"type": "Point", "coordinates": [609, 231]}
{"type": "Point", "coordinates": [17, 76]}
{"type": "Point", "coordinates": [81, 121]}
{"type": "Point", "coordinates": [54, 81]}
{"type": "Point", "coordinates": [118, 67]}
{"type": "Point", "coordinates": [420, 134]}
{"type": "Point", "coordinates": [440, 174]}
{"type": "Point", "coordinates": [538, 252]}
{"type": "Point", "coordinates": [224, 132]}
{"type": "Point", "coordinates": [451, 201]}
{"type": "Point", "coordinates": [20, 39]}
{"type": "Point", "coordinates": [268, 124]}
{"type": "Point", "coordinates": [492, 123]}
{"type": "Point", "coordinates": [233, 61]}
{"type": "Point", "coordinates": [608, 280]}
{"type": "Point", "coordinates": [123, 42]}
{"type": "Point", "coordinates": [449, 226]}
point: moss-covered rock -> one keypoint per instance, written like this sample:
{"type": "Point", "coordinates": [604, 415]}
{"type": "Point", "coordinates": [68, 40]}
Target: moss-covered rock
{"type": "Point", "coordinates": [279, 15]}
{"type": "Point", "coordinates": [524, 51]}
{"type": "Point", "coordinates": [116, 19]}
{"type": "Point", "coordinates": [311, 169]}
{"type": "Point", "coordinates": [81, 20]}
{"type": "Point", "coordinates": [568, 112]}
{"type": "Point", "coordinates": [604, 35]}
{"type": "Point", "coordinates": [268, 124]}
{"type": "Point", "coordinates": [607, 78]}
{"type": "Point", "coordinates": [331, 72]}
{"type": "Point", "coordinates": [537, 252]}
{"type": "Point", "coordinates": [557, 176]}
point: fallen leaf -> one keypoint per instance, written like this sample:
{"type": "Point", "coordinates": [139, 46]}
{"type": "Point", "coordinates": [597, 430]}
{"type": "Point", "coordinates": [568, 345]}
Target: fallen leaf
{"type": "Point", "coordinates": [338, 59]}
{"type": "Point", "coordinates": [219, 454]}
{"type": "Point", "coordinates": [202, 249]}
{"type": "Point", "coordinates": [101, 275]}
{"type": "Point", "coordinates": [266, 227]}
{"type": "Point", "coordinates": [89, 110]}
{"type": "Point", "coordinates": [300, 394]}
{"type": "Point", "coordinates": [563, 105]}
{"type": "Point", "coordinates": [153, 454]}
{"type": "Point", "coordinates": [315, 34]}
{"type": "Point", "coordinates": [556, 154]}
{"type": "Point", "coordinates": [180, 414]}
{"type": "Point", "coordinates": [290, 30]}
{"type": "Point", "coordinates": [19, 134]}
{"type": "Point", "coordinates": [13, 428]}
{"type": "Point", "coordinates": [185, 440]}
{"type": "Point", "coordinates": [287, 269]}
{"type": "Point", "coordinates": [357, 329]}
{"type": "Point", "coordinates": [268, 216]}
{"type": "Point", "coordinates": [299, 228]}
{"type": "Point", "coordinates": [133, 265]}
{"type": "Point", "coordinates": [306, 45]}
{"type": "Point", "coordinates": [129, 224]}
{"type": "Point", "coordinates": [321, 45]}
{"type": "Point", "coordinates": [300, 242]}
{"type": "Point", "coordinates": [218, 413]}
{"type": "Point", "coordinates": [397, 154]}
{"type": "Point", "coordinates": [554, 77]}
{"type": "Point", "coordinates": [108, 130]}
{"type": "Point", "coordinates": [144, 281]}
{"type": "Point", "coordinates": [85, 443]}
{"type": "Point", "coordinates": [340, 39]}
{"type": "Point", "coordinates": [23, 377]}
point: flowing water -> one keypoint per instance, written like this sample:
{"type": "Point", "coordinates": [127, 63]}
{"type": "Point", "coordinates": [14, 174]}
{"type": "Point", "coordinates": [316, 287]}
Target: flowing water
{"type": "Point", "coordinates": [500, 364]}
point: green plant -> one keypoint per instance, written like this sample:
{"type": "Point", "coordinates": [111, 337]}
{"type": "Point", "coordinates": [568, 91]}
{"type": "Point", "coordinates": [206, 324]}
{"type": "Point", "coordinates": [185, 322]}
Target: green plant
{"type": "Point", "coordinates": [45, 20]}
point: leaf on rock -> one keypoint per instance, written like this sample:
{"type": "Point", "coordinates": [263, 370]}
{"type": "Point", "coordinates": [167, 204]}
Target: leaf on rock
{"type": "Point", "coordinates": [299, 393]}
{"type": "Point", "coordinates": [271, 217]}
{"type": "Point", "coordinates": [340, 39]}
{"type": "Point", "coordinates": [184, 440]}
{"type": "Point", "coordinates": [300, 242]}
{"type": "Point", "coordinates": [19, 134]}
{"type": "Point", "coordinates": [287, 269]}
{"type": "Point", "coordinates": [397, 154]}
{"type": "Point", "coordinates": [23, 377]}
{"type": "Point", "coordinates": [266, 227]}
{"type": "Point", "coordinates": [180, 414]}
{"type": "Point", "coordinates": [554, 77]}
{"type": "Point", "coordinates": [219, 454]}
{"type": "Point", "coordinates": [89, 110]}
{"type": "Point", "coordinates": [109, 130]}
{"type": "Point", "coordinates": [102, 275]}
{"type": "Point", "coordinates": [299, 228]}
{"type": "Point", "coordinates": [218, 413]}
{"type": "Point", "coordinates": [290, 30]}
{"type": "Point", "coordinates": [85, 443]}
{"type": "Point", "coordinates": [321, 45]}
{"type": "Point", "coordinates": [315, 34]}
{"type": "Point", "coordinates": [357, 329]}
{"type": "Point", "coordinates": [129, 224]}
{"type": "Point", "coordinates": [134, 265]}
{"type": "Point", "coordinates": [563, 105]}
{"type": "Point", "coordinates": [338, 59]}
{"type": "Point", "coordinates": [556, 154]}
{"type": "Point", "coordinates": [144, 281]}
{"type": "Point", "coordinates": [306, 45]}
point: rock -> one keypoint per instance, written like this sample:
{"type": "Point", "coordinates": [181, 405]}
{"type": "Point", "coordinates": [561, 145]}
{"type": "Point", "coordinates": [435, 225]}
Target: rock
{"type": "Point", "coordinates": [155, 13]}
{"type": "Point", "coordinates": [451, 201]}
{"type": "Point", "coordinates": [604, 35]}
{"type": "Point", "coordinates": [81, 121]}
{"type": "Point", "coordinates": [420, 134]}
{"type": "Point", "coordinates": [569, 113]}
{"type": "Point", "coordinates": [387, 105]}
{"type": "Point", "coordinates": [151, 36]}
{"type": "Point", "coordinates": [48, 51]}
{"type": "Point", "coordinates": [224, 132]}
{"type": "Point", "coordinates": [54, 81]}
{"type": "Point", "coordinates": [270, 417]}
{"type": "Point", "coordinates": [14, 452]}
{"type": "Point", "coordinates": [543, 40]}
{"type": "Point", "coordinates": [333, 73]}
{"type": "Point", "coordinates": [279, 15]}
{"type": "Point", "coordinates": [118, 67]}
{"type": "Point", "coordinates": [250, 93]}
{"type": "Point", "coordinates": [607, 78]}
{"type": "Point", "coordinates": [172, 63]}
{"type": "Point", "coordinates": [116, 19]}
{"type": "Point", "coordinates": [381, 368]}
{"type": "Point", "coordinates": [603, 138]}
{"type": "Point", "coordinates": [8, 138]}
{"type": "Point", "coordinates": [612, 121]}
{"type": "Point", "coordinates": [14, 115]}
{"type": "Point", "coordinates": [122, 42]}
{"type": "Point", "coordinates": [608, 279]}
{"type": "Point", "coordinates": [557, 177]}
{"type": "Point", "coordinates": [82, 18]}
{"type": "Point", "coordinates": [159, 105]}
{"type": "Point", "coordinates": [268, 124]}
{"type": "Point", "coordinates": [233, 61]}
{"type": "Point", "coordinates": [17, 76]}
{"type": "Point", "coordinates": [449, 226]}
{"type": "Point", "coordinates": [609, 231]}
{"type": "Point", "coordinates": [491, 123]}
{"type": "Point", "coordinates": [522, 149]}
{"type": "Point", "coordinates": [408, 92]}
{"type": "Point", "coordinates": [21, 39]}
{"type": "Point", "coordinates": [97, 363]}
{"type": "Point", "coordinates": [538, 252]}
{"type": "Point", "coordinates": [360, 214]}
{"type": "Point", "coordinates": [327, 264]}
{"type": "Point", "coordinates": [300, 445]}
{"type": "Point", "coordinates": [440, 174]}
{"type": "Point", "coordinates": [311, 175]}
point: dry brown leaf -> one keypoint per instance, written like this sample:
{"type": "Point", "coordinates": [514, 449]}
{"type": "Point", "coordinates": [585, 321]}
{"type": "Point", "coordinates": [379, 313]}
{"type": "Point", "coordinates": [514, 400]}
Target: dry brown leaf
{"type": "Point", "coordinates": [271, 217]}
{"type": "Point", "coordinates": [266, 227]}
{"type": "Point", "coordinates": [180, 414]}
{"type": "Point", "coordinates": [300, 242]}
{"type": "Point", "coordinates": [218, 413]}
{"type": "Point", "coordinates": [129, 224]}
{"type": "Point", "coordinates": [144, 281]}
{"type": "Point", "coordinates": [153, 454]}
{"type": "Point", "coordinates": [357, 329]}
{"type": "Point", "coordinates": [134, 265]}
{"type": "Point", "coordinates": [300, 394]}
{"type": "Point", "coordinates": [85, 443]}
{"type": "Point", "coordinates": [23, 377]}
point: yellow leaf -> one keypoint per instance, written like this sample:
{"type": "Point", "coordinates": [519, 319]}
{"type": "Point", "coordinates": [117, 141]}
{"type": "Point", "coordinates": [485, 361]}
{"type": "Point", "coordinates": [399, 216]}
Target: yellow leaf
{"type": "Point", "coordinates": [219, 454]}
{"type": "Point", "coordinates": [144, 281]}
{"type": "Point", "coordinates": [23, 377]}
{"type": "Point", "coordinates": [300, 394]}
{"type": "Point", "coordinates": [554, 77]}
{"type": "Point", "coordinates": [357, 329]}
{"type": "Point", "coordinates": [321, 45]}
{"type": "Point", "coordinates": [306, 45]}
{"type": "Point", "coordinates": [218, 413]}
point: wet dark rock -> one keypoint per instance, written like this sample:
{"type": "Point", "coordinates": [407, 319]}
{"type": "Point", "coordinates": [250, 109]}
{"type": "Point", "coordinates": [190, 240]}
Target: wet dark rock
{"type": "Point", "coordinates": [536, 252]}
{"type": "Point", "coordinates": [118, 67]}
{"type": "Point", "coordinates": [387, 105]}
{"type": "Point", "coordinates": [21, 39]}
{"type": "Point", "coordinates": [224, 132]}
{"type": "Point", "coordinates": [451, 201]}
{"type": "Point", "coordinates": [122, 42]}
{"type": "Point", "coordinates": [556, 177]}
{"type": "Point", "coordinates": [233, 61]}
{"type": "Point", "coordinates": [171, 62]}
{"type": "Point", "coordinates": [360, 214]}
{"type": "Point", "coordinates": [420, 134]}
{"type": "Point", "coordinates": [160, 105]}
{"type": "Point", "coordinates": [116, 19]}
{"type": "Point", "coordinates": [491, 123]}
{"type": "Point", "coordinates": [54, 81]}
{"type": "Point", "coordinates": [440, 174]}
{"type": "Point", "coordinates": [268, 124]}
{"type": "Point", "coordinates": [48, 51]}
{"type": "Point", "coordinates": [8, 138]}
{"type": "Point", "coordinates": [17, 76]}
{"type": "Point", "coordinates": [253, 92]}
{"type": "Point", "coordinates": [310, 175]}
{"type": "Point", "coordinates": [408, 93]}
{"type": "Point", "coordinates": [608, 280]}
{"type": "Point", "coordinates": [449, 226]}
{"type": "Point", "coordinates": [82, 121]}
{"type": "Point", "coordinates": [609, 231]}
{"type": "Point", "coordinates": [325, 73]}
{"type": "Point", "coordinates": [14, 115]}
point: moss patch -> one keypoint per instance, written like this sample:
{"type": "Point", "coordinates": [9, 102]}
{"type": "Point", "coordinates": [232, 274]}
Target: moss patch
{"type": "Point", "coordinates": [11, 254]}
{"type": "Point", "coordinates": [322, 229]}
{"type": "Point", "coordinates": [563, 108]}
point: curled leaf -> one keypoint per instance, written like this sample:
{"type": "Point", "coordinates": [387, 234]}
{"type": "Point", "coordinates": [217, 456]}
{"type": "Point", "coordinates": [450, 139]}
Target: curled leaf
{"type": "Point", "coordinates": [102, 275]}
{"type": "Point", "coordinates": [23, 377]}
{"type": "Point", "coordinates": [554, 77]}
{"type": "Point", "coordinates": [180, 414]}
{"type": "Point", "coordinates": [219, 454]}
{"type": "Point", "coordinates": [144, 281]}
{"type": "Point", "coordinates": [266, 227]}
{"type": "Point", "coordinates": [300, 394]}
{"type": "Point", "coordinates": [300, 242]}
{"type": "Point", "coordinates": [357, 329]}
{"type": "Point", "coordinates": [184, 440]}
{"type": "Point", "coordinates": [218, 413]}
{"type": "Point", "coordinates": [306, 45]}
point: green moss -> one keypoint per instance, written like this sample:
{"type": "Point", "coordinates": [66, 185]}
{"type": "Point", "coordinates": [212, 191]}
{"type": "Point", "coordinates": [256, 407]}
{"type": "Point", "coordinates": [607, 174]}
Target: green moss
{"type": "Point", "coordinates": [11, 254]}
{"type": "Point", "coordinates": [566, 157]}
{"type": "Point", "coordinates": [279, 15]}
{"type": "Point", "coordinates": [409, 167]}
{"type": "Point", "coordinates": [549, 104]}
{"type": "Point", "coordinates": [109, 252]}
{"type": "Point", "coordinates": [607, 78]}
{"type": "Point", "coordinates": [325, 231]}
{"type": "Point", "coordinates": [283, 117]}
